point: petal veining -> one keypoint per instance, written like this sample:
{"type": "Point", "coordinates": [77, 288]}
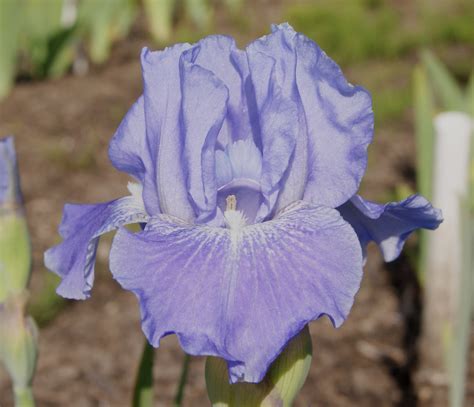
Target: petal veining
{"type": "Point", "coordinates": [240, 293]}
{"type": "Point", "coordinates": [279, 129]}
{"type": "Point", "coordinates": [278, 48]}
{"type": "Point", "coordinates": [204, 106]}
{"type": "Point", "coordinates": [162, 102]}
{"type": "Point", "coordinates": [219, 54]}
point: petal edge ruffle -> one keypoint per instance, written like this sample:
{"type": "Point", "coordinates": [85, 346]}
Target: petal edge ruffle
{"type": "Point", "coordinates": [240, 296]}
{"type": "Point", "coordinates": [82, 225]}
{"type": "Point", "coordinates": [389, 225]}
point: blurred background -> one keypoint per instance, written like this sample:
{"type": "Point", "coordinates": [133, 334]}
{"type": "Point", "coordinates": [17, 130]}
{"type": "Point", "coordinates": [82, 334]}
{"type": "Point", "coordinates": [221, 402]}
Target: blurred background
{"type": "Point", "coordinates": [69, 71]}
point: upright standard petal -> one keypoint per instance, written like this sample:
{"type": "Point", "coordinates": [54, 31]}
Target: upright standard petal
{"type": "Point", "coordinates": [337, 116]}
{"type": "Point", "coordinates": [162, 99]}
{"type": "Point", "coordinates": [240, 293]}
{"type": "Point", "coordinates": [129, 152]}
{"type": "Point", "coordinates": [204, 107]}
{"type": "Point", "coordinates": [340, 124]}
{"type": "Point", "coordinates": [219, 54]}
{"type": "Point", "coordinates": [278, 116]}
{"type": "Point", "coordinates": [389, 225]}
{"type": "Point", "coordinates": [82, 225]}
{"type": "Point", "coordinates": [272, 62]}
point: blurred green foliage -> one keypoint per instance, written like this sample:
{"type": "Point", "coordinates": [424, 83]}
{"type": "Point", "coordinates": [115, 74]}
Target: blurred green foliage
{"type": "Point", "coordinates": [449, 94]}
{"type": "Point", "coordinates": [345, 29]}
{"type": "Point", "coordinates": [9, 34]}
{"type": "Point", "coordinates": [436, 90]}
{"type": "Point", "coordinates": [43, 38]}
{"type": "Point", "coordinates": [353, 31]}
{"type": "Point", "coordinates": [104, 22]}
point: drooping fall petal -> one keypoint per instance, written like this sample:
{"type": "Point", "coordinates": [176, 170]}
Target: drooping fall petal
{"type": "Point", "coordinates": [242, 293]}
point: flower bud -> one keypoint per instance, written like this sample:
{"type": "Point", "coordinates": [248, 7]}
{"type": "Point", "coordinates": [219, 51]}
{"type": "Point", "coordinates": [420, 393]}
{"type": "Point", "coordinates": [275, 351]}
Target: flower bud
{"type": "Point", "coordinates": [15, 250]}
{"type": "Point", "coordinates": [283, 381]}
{"type": "Point", "coordinates": [10, 193]}
{"type": "Point", "coordinates": [18, 342]}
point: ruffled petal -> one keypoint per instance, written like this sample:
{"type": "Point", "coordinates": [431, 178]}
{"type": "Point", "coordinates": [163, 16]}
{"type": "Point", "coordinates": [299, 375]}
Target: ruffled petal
{"type": "Point", "coordinates": [82, 225]}
{"type": "Point", "coordinates": [389, 225]}
{"type": "Point", "coordinates": [219, 54]}
{"type": "Point", "coordinates": [340, 124]}
{"type": "Point", "coordinates": [278, 131]}
{"type": "Point", "coordinates": [204, 107]}
{"type": "Point", "coordinates": [165, 139]}
{"type": "Point", "coordinates": [337, 118]}
{"type": "Point", "coordinates": [240, 294]}
{"type": "Point", "coordinates": [128, 152]}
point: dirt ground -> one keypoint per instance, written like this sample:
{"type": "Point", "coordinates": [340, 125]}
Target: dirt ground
{"type": "Point", "coordinates": [90, 351]}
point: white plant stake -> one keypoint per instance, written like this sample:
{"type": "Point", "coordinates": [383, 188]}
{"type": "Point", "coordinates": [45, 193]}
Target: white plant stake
{"type": "Point", "coordinates": [444, 288]}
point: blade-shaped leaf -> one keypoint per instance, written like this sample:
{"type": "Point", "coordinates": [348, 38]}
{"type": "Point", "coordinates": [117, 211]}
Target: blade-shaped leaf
{"type": "Point", "coordinates": [446, 88]}
{"type": "Point", "coordinates": [424, 113]}
{"type": "Point", "coordinates": [424, 132]}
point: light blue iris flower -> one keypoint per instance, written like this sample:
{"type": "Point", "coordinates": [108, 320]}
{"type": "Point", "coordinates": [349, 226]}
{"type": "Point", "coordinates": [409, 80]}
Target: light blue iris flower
{"type": "Point", "coordinates": [247, 165]}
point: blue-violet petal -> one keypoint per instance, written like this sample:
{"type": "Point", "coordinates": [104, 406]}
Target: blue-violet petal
{"type": "Point", "coordinates": [73, 259]}
{"type": "Point", "coordinates": [242, 293]}
{"type": "Point", "coordinates": [389, 225]}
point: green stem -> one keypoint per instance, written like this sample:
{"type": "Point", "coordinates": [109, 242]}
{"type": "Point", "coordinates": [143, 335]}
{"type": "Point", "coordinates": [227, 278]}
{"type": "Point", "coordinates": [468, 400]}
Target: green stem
{"type": "Point", "coordinates": [143, 393]}
{"type": "Point", "coordinates": [23, 397]}
{"type": "Point", "coordinates": [178, 400]}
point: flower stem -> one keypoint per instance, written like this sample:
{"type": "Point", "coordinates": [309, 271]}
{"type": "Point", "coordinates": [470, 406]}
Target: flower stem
{"type": "Point", "coordinates": [178, 400]}
{"type": "Point", "coordinates": [143, 393]}
{"type": "Point", "coordinates": [23, 397]}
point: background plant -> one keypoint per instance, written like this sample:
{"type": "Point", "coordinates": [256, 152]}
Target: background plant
{"type": "Point", "coordinates": [447, 342]}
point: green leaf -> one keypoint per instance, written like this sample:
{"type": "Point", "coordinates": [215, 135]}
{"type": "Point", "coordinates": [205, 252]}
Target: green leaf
{"type": "Point", "coordinates": [104, 22]}
{"type": "Point", "coordinates": [424, 131]}
{"type": "Point", "coordinates": [459, 351]}
{"type": "Point", "coordinates": [143, 392]}
{"type": "Point", "coordinates": [200, 12]}
{"type": "Point", "coordinates": [470, 95]}
{"type": "Point", "coordinates": [60, 52]}
{"type": "Point", "coordinates": [159, 14]}
{"type": "Point", "coordinates": [42, 19]}
{"type": "Point", "coordinates": [448, 91]}
{"type": "Point", "coordinates": [10, 19]}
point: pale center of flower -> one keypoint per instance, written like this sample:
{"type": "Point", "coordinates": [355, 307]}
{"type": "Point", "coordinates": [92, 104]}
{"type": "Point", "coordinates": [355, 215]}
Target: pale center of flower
{"type": "Point", "coordinates": [235, 219]}
{"type": "Point", "coordinates": [238, 174]}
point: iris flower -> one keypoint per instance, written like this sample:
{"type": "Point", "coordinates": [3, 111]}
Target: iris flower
{"type": "Point", "coordinates": [247, 165]}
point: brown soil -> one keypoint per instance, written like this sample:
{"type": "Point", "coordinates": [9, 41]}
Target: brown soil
{"type": "Point", "coordinates": [90, 351]}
